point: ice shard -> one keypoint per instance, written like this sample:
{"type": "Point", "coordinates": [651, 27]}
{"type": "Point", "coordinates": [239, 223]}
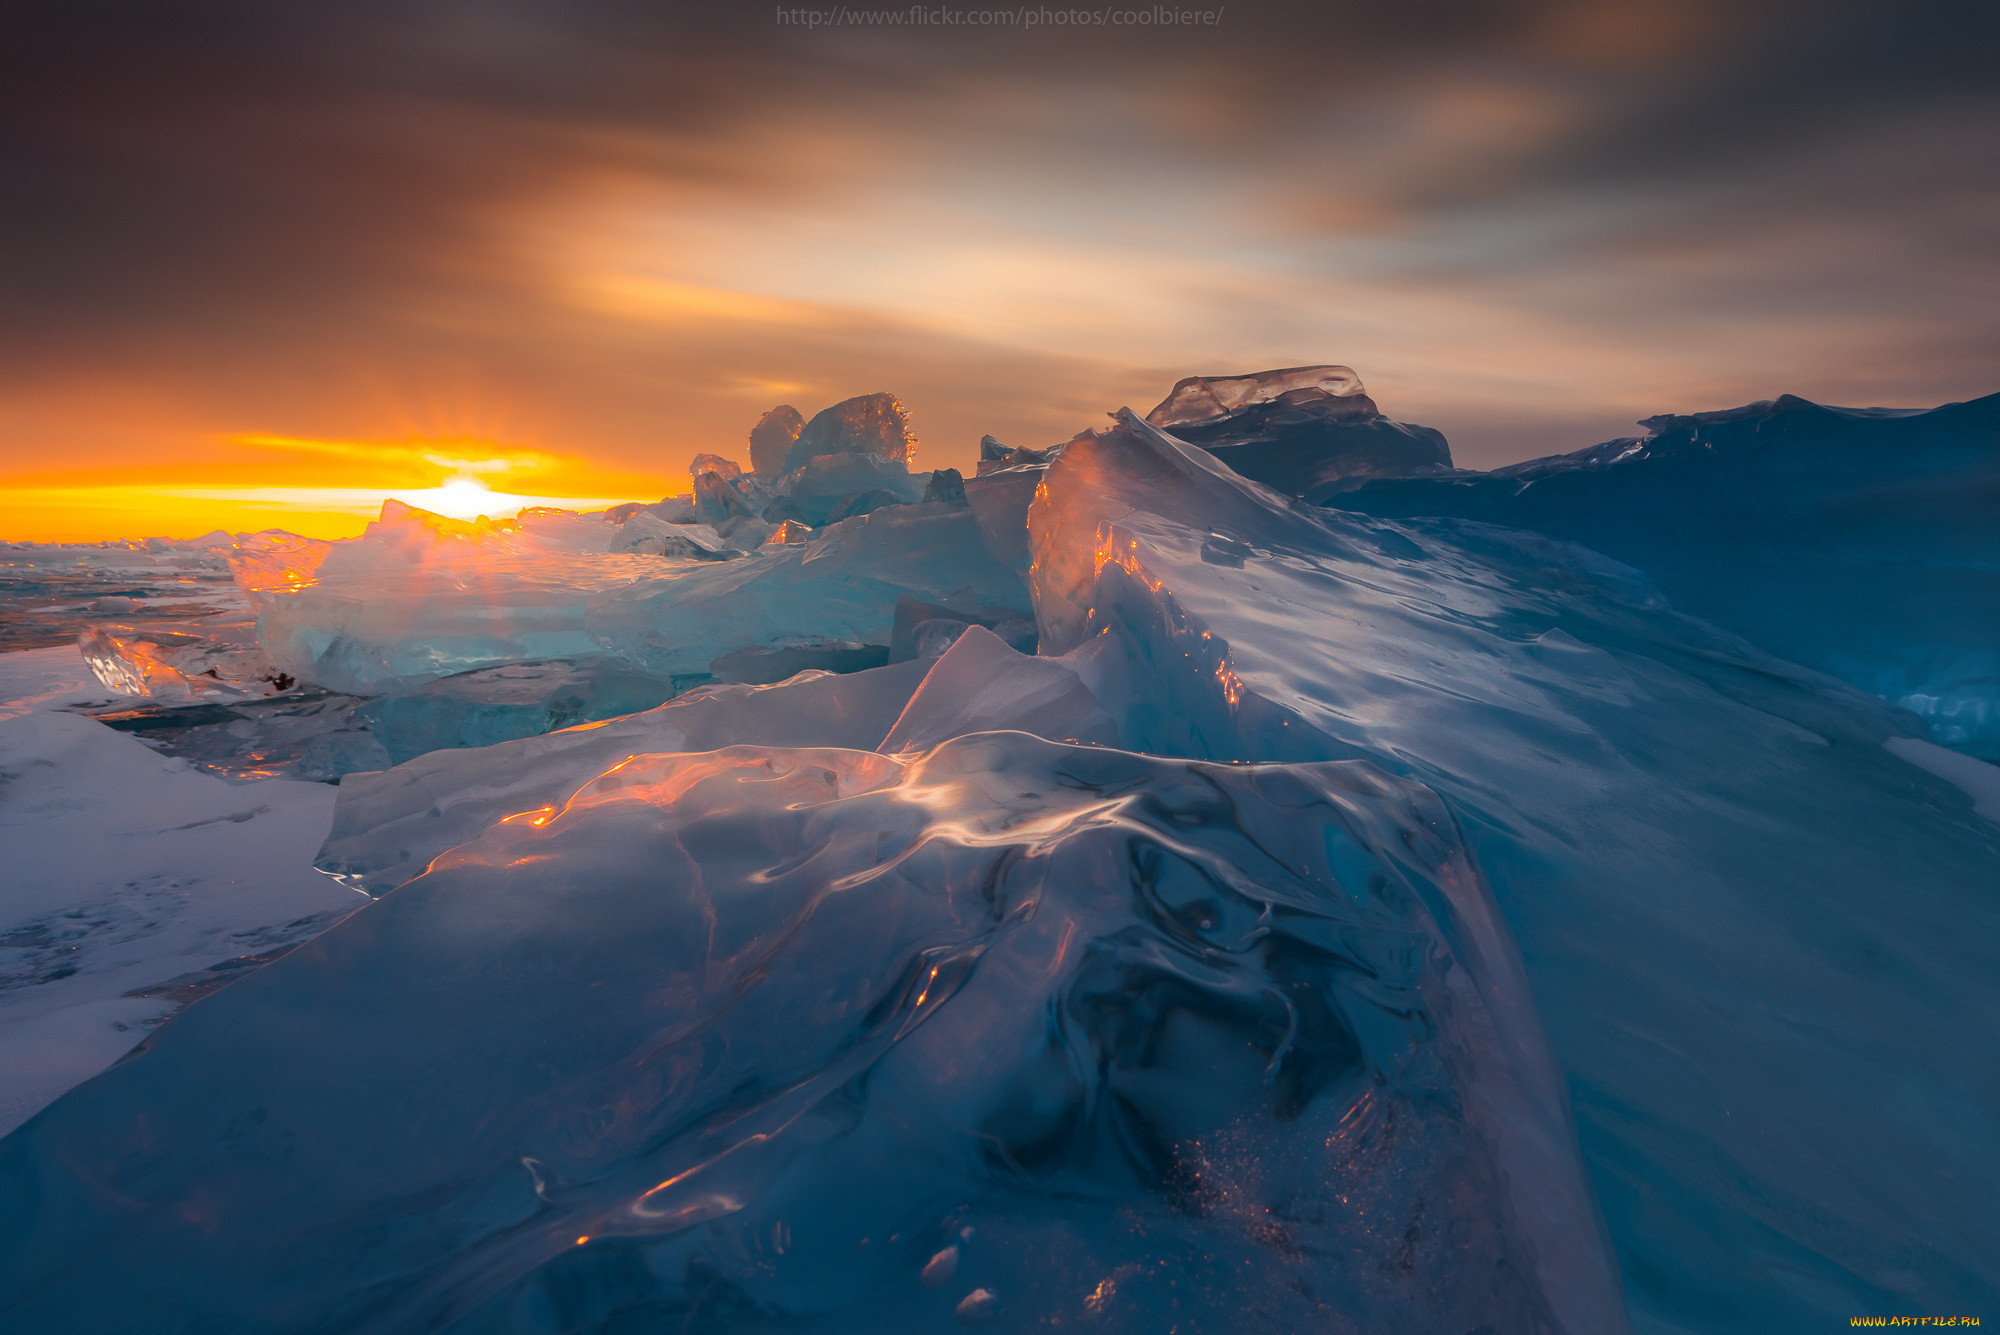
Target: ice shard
{"type": "Point", "coordinates": [772, 438]}
{"type": "Point", "coordinates": [751, 1039]}
{"type": "Point", "coordinates": [1307, 431]}
{"type": "Point", "coordinates": [873, 425]}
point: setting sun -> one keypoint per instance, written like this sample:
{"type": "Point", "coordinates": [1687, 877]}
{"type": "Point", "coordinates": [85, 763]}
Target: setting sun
{"type": "Point", "coordinates": [319, 488]}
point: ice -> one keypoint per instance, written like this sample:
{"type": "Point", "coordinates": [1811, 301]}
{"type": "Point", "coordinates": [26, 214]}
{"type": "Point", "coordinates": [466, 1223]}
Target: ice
{"type": "Point", "coordinates": [766, 664]}
{"type": "Point", "coordinates": [646, 534]}
{"type": "Point", "coordinates": [177, 666]}
{"type": "Point", "coordinates": [918, 624]}
{"type": "Point", "coordinates": [49, 593]}
{"type": "Point", "coordinates": [872, 425]}
{"type": "Point", "coordinates": [300, 734]}
{"type": "Point", "coordinates": [1152, 1043]}
{"type": "Point", "coordinates": [1308, 431]}
{"type": "Point", "coordinates": [980, 684]}
{"type": "Point", "coordinates": [1859, 541]}
{"type": "Point", "coordinates": [946, 485]}
{"type": "Point", "coordinates": [1761, 940]}
{"type": "Point", "coordinates": [1975, 778]}
{"type": "Point", "coordinates": [999, 502]}
{"type": "Point", "coordinates": [772, 438]}
{"type": "Point", "coordinates": [995, 456]}
{"type": "Point", "coordinates": [726, 469]}
{"type": "Point", "coordinates": [388, 826]}
{"type": "Point", "coordinates": [514, 700]}
{"type": "Point", "coordinates": [418, 598]}
{"type": "Point", "coordinates": [125, 869]}
{"type": "Point", "coordinates": [832, 487]}
{"type": "Point", "coordinates": [1201, 400]}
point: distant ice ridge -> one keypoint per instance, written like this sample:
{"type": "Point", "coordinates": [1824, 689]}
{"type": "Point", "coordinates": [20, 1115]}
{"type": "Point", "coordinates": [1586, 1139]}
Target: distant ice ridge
{"type": "Point", "coordinates": [825, 1040]}
{"type": "Point", "coordinates": [1859, 541]}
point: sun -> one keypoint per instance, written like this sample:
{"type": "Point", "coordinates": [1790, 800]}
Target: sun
{"type": "Point", "coordinates": [464, 498]}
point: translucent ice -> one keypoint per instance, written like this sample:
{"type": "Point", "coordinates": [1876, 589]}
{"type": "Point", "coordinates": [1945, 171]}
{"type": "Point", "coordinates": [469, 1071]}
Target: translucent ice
{"type": "Point", "coordinates": [772, 438]}
{"type": "Point", "coordinates": [980, 684]}
{"type": "Point", "coordinates": [1308, 431]}
{"type": "Point", "coordinates": [499, 704]}
{"type": "Point", "coordinates": [1761, 940]}
{"type": "Point", "coordinates": [1200, 400]}
{"type": "Point", "coordinates": [745, 1039]}
{"type": "Point", "coordinates": [646, 534]}
{"type": "Point", "coordinates": [1860, 541]}
{"type": "Point", "coordinates": [999, 501]}
{"type": "Point", "coordinates": [871, 424]}
{"type": "Point", "coordinates": [417, 599]}
{"type": "Point", "coordinates": [831, 487]}
{"type": "Point", "coordinates": [388, 826]}
{"type": "Point", "coordinates": [176, 666]}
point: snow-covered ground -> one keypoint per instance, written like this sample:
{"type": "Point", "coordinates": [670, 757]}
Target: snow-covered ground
{"type": "Point", "coordinates": [122, 873]}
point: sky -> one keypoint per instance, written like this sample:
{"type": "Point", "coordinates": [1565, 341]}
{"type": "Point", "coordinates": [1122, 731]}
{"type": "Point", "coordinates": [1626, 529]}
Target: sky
{"type": "Point", "coordinates": [265, 263]}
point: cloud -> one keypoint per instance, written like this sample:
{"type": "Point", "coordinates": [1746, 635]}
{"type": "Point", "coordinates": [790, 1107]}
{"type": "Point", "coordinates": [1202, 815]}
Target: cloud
{"type": "Point", "coordinates": [615, 230]}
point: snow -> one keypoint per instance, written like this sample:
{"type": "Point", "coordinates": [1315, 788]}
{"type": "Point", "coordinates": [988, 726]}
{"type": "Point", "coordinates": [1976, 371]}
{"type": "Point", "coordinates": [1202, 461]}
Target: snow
{"type": "Point", "coordinates": [1978, 780]}
{"type": "Point", "coordinates": [125, 870]}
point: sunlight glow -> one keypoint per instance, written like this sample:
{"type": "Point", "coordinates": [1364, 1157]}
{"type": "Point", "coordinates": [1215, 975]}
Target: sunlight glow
{"type": "Point", "coordinates": [464, 498]}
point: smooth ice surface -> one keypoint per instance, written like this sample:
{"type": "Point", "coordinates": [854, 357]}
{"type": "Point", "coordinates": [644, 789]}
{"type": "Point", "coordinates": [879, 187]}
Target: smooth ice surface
{"type": "Point", "coordinates": [1762, 942]}
{"type": "Point", "coordinates": [1860, 541]}
{"type": "Point", "coordinates": [1020, 1031]}
{"type": "Point", "coordinates": [416, 599]}
{"type": "Point", "coordinates": [125, 870]}
{"type": "Point", "coordinates": [388, 826]}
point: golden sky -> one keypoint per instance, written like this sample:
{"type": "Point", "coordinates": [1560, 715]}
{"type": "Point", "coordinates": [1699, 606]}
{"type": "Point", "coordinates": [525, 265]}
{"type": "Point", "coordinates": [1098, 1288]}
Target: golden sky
{"type": "Point", "coordinates": [263, 265]}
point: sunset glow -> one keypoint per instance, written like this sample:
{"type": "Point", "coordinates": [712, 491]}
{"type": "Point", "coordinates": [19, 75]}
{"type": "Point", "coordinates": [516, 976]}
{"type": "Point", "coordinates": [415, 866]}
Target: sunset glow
{"type": "Point", "coordinates": [1526, 231]}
